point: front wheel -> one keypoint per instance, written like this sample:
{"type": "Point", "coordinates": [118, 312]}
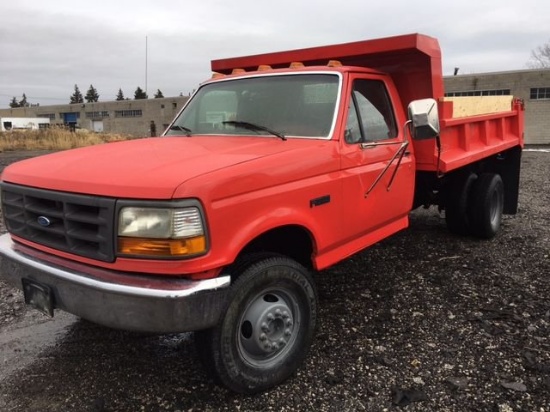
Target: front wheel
{"type": "Point", "coordinates": [267, 328]}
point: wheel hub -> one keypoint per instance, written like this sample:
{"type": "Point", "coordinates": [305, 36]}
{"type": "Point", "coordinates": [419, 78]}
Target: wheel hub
{"type": "Point", "coordinates": [267, 326]}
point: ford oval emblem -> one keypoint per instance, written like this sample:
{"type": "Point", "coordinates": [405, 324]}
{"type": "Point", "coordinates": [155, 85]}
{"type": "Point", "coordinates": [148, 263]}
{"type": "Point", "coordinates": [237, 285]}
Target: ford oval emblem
{"type": "Point", "coordinates": [44, 221]}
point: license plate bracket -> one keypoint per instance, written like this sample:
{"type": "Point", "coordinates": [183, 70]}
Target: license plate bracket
{"type": "Point", "coordinates": [38, 296]}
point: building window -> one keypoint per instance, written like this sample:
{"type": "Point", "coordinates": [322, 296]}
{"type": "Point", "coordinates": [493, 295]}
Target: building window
{"type": "Point", "coordinates": [128, 113]}
{"type": "Point", "coordinates": [540, 93]}
{"type": "Point", "coordinates": [494, 92]}
{"type": "Point", "coordinates": [174, 105]}
{"type": "Point", "coordinates": [70, 115]}
{"type": "Point", "coordinates": [97, 115]}
{"type": "Point", "coordinates": [50, 116]}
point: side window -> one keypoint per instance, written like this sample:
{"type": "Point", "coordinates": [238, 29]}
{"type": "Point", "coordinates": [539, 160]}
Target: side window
{"type": "Point", "coordinates": [370, 117]}
{"type": "Point", "coordinates": [353, 131]}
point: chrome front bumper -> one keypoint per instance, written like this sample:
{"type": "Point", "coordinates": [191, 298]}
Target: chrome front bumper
{"type": "Point", "coordinates": [118, 300]}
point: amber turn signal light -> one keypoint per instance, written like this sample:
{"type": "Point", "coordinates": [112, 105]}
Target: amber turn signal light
{"type": "Point", "coordinates": [161, 247]}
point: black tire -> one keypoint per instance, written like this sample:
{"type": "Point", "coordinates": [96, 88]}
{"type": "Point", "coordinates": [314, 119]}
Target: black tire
{"type": "Point", "coordinates": [486, 206]}
{"type": "Point", "coordinates": [456, 204]}
{"type": "Point", "coordinates": [266, 330]}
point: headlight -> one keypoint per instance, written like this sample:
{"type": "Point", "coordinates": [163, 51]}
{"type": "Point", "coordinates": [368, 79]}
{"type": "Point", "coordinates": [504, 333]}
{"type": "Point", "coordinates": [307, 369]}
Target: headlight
{"type": "Point", "coordinates": [170, 232]}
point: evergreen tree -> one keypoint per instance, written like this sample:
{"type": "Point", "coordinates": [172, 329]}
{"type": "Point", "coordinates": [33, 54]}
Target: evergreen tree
{"type": "Point", "coordinates": [92, 95]}
{"type": "Point", "coordinates": [76, 97]}
{"type": "Point", "coordinates": [158, 94]}
{"type": "Point", "coordinates": [140, 94]}
{"type": "Point", "coordinates": [23, 102]}
{"type": "Point", "coordinates": [14, 103]}
{"type": "Point", "coordinates": [120, 95]}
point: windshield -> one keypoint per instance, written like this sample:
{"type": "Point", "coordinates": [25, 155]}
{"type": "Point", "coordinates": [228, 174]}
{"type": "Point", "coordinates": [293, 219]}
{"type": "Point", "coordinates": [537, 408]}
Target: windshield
{"type": "Point", "coordinates": [296, 105]}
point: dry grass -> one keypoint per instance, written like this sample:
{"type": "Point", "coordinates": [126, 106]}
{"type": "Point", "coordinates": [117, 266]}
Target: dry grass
{"type": "Point", "coordinates": [54, 139]}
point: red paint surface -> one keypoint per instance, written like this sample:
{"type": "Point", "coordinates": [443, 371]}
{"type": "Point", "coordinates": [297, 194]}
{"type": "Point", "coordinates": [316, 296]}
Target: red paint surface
{"type": "Point", "coordinates": [250, 185]}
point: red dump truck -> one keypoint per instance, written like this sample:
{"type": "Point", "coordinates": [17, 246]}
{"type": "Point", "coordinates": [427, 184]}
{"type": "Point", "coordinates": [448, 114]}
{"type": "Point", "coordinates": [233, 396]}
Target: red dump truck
{"type": "Point", "coordinates": [280, 165]}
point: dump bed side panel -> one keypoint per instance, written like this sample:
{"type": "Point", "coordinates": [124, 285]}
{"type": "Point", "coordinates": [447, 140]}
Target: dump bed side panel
{"type": "Point", "coordinates": [468, 136]}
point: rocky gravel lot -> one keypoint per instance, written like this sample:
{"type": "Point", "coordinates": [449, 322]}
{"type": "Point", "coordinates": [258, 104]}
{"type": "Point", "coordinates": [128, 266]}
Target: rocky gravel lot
{"type": "Point", "coordinates": [424, 321]}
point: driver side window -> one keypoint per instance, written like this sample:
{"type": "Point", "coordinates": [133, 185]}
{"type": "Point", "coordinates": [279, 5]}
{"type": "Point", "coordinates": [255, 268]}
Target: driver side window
{"type": "Point", "coordinates": [370, 116]}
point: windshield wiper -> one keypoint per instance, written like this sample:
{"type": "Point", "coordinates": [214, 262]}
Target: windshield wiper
{"type": "Point", "coordinates": [181, 129]}
{"type": "Point", "coordinates": [255, 127]}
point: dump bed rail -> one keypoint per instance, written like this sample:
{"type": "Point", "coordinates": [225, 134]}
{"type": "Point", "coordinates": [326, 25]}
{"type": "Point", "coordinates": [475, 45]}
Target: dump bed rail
{"type": "Point", "coordinates": [465, 140]}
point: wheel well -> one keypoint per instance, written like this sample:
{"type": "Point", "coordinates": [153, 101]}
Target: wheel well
{"type": "Point", "coordinates": [293, 241]}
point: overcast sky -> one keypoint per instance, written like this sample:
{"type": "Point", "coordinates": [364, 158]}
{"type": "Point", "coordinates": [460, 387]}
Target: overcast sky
{"type": "Point", "coordinates": [46, 47]}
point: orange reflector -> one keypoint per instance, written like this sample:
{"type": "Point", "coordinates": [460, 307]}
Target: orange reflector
{"type": "Point", "coordinates": [238, 71]}
{"type": "Point", "coordinates": [217, 75]}
{"type": "Point", "coordinates": [296, 65]}
{"type": "Point", "coordinates": [334, 63]}
{"type": "Point", "coordinates": [264, 67]}
{"type": "Point", "coordinates": [161, 247]}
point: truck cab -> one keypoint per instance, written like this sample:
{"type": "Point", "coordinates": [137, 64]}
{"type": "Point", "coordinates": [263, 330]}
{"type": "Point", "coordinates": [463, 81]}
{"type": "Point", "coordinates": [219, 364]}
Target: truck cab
{"type": "Point", "coordinates": [344, 148]}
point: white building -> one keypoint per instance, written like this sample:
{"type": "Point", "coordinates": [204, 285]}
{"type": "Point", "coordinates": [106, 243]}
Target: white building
{"type": "Point", "coordinates": [14, 123]}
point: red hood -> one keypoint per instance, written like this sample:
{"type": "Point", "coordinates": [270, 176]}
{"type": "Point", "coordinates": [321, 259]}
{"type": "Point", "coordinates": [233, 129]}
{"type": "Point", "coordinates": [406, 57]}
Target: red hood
{"type": "Point", "coordinates": [146, 168]}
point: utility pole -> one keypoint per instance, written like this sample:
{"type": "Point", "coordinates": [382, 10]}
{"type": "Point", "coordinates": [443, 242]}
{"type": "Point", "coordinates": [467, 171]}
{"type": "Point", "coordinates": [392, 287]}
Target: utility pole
{"type": "Point", "coordinates": [145, 64]}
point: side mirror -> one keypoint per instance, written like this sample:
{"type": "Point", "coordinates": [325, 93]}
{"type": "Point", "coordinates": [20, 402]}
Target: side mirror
{"type": "Point", "coordinates": [424, 117]}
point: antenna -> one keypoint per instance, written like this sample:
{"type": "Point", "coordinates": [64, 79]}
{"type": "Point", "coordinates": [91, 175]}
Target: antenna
{"type": "Point", "coordinates": [145, 64]}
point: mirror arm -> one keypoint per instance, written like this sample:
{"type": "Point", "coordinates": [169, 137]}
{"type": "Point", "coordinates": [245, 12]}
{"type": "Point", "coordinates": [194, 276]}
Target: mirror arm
{"type": "Point", "coordinates": [403, 150]}
{"type": "Point", "coordinates": [400, 152]}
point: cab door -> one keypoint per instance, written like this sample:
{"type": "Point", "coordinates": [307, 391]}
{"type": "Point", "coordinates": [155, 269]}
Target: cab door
{"type": "Point", "coordinates": [377, 165]}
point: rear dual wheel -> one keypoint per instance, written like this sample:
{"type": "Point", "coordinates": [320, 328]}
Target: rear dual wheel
{"type": "Point", "coordinates": [266, 330]}
{"type": "Point", "coordinates": [487, 205]}
{"type": "Point", "coordinates": [475, 205]}
{"type": "Point", "coordinates": [456, 207]}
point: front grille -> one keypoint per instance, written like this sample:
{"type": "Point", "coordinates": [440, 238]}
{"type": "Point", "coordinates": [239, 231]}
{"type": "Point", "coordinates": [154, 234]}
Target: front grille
{"type": "Point", "coordinates": [78, 224]}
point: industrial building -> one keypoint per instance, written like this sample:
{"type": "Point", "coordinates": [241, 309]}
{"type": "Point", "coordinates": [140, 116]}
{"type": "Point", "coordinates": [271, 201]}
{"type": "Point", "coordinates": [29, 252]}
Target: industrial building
{"type": "Point", "coordinates": [144, 117]}
{"type": "Point", "coordinates": [533, 86]}
{"type": "Point", "coordinates": [151, 116]}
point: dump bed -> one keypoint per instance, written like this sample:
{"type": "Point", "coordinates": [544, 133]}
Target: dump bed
{"type": "Point", "coordinates": [414, 63]}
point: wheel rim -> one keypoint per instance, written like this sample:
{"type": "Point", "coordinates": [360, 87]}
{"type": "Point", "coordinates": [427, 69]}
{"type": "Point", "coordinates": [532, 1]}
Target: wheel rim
{"type": "Point", "coordinates": [268, 328]}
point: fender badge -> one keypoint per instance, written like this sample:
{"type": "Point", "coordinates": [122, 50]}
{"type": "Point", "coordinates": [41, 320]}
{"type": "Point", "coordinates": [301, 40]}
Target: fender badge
{"type": "Point", "coordinates": [44, 221]}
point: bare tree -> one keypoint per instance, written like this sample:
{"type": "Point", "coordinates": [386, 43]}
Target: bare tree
{"type": "Point", "coordinates": [540, 57]}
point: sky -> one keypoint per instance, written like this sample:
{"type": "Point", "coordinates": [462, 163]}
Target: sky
{"type": "Point", "coordinates": [48, 47]}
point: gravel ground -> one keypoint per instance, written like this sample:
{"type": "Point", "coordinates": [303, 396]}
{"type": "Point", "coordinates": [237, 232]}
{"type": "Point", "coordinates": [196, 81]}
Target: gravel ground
{"type": "Point", "coordinates": [424, 321]}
